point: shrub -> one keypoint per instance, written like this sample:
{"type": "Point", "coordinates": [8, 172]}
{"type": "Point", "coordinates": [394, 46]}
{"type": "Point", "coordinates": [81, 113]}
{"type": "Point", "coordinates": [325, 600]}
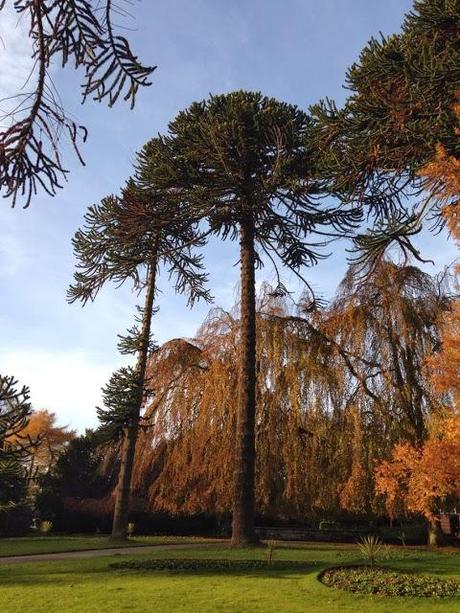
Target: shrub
{"type": "Point", "coordinates": [131, 528]}
{"type": "Point", "coordinates": [386, 582]}
{"type": "Point", "coordinates": [15, 519]}
{"type": "Point", "coordinates": [46, 527]}
{"type": "Point", "coordinates": [329, 525]}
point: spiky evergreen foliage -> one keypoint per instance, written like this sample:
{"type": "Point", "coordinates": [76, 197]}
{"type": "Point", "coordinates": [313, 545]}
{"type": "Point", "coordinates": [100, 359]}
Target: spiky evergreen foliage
{"type": "Point", "coordinates": [401, 107]}
{"type": "Point", "coordinates": [77, 32]}
{"type": "Point", "coordinates": [118, 395]}
{"type": "Point", "coordinates": [243, 161]}
{"type": "Point", "coordinates": [15, 411]}
{"type": "Point", "coordinates": [129, 238]}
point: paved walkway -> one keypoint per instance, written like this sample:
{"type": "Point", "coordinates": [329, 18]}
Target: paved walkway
{"type": "Point", "coordinates": [96, 553]}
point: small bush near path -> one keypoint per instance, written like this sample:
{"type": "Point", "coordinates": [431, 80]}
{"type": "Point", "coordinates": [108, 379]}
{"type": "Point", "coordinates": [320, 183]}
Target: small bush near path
{"type": "Point", "coordinates": [387, 582]}
{"type": "Point", "coordinates": [203, 564]}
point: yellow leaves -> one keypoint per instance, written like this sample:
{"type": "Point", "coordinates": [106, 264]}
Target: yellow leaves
{"type": "Point", "coordinates": [53, 439]}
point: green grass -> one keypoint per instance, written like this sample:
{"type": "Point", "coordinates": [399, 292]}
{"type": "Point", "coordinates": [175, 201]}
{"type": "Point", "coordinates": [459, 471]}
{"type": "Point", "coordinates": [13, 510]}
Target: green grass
{"type": "Point", "coordinates": [84, 586]}
{"type": "Point", "coordinates": [55, 544]}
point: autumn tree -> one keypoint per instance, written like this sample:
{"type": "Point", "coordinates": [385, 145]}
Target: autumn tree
{"type": "Point", "coordinates": [244, 161]}
{"type": "Point", "coordinates": [423, 480]}
{"type": "Point", "coordinates": [128, 238]}
{"type": "Point", "coordinates": [80, 33]}
{"type": "Point", "coordinates": [52, 441]}
{"type": "Point", "coordinates": [445, 365]}
{"type": "Point", "coordinates": [444, 172]}
{"type": "Point", "coordinates": [329, 403]}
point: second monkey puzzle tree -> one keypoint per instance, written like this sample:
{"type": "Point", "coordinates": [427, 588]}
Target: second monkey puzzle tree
{"type": "Point", "coordinates": [245, 163]}
{"type": "Point", "coordinates": [128, 238]}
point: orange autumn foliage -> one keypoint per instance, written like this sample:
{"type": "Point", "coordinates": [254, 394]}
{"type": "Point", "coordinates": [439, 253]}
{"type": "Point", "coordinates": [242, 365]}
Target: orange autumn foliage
{"type": "Point", "coordinates": [52, 440]}
{"type": "Point", "coordinates": [445, 365]}
{"type": "Point", "coordinates": [422, 480]}
{"type": "Point", "coordinates": [442, 180]}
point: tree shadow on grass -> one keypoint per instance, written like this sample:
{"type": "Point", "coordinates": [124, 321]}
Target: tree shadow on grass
{"type": "Point", "coordinates": [33, 576]}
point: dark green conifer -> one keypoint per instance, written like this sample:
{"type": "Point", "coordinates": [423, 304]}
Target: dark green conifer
{"type": "Point", "coordinates": [404, 89]}
{"type": "Point", "coordinates": [245, 163]}
{"type": "Point", "coordinates": [128, 238]}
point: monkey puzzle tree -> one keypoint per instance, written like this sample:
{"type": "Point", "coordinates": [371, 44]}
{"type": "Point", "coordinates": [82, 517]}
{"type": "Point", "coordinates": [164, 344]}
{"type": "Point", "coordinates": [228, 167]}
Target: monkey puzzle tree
{"type": "Point", "coordinates": [400, 113]}
{"type": "Point", "coordinates": [15, 447]}
{"type": "Point", "coordinates": [245, 162]}
{"type": "Point", "coordinates": [128, 238]}
{"type": "Point", "coordinates": [79, 32]}
{"type": "Point", "coordinates": [15, 413]}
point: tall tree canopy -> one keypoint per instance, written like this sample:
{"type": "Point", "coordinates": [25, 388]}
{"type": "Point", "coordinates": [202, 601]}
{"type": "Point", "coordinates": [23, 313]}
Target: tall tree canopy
{"type": "Point", "coordinates": [77, 32]}
{"type": "Point", "coordinates": [401, 108]}
{"type": "Point", "coordinates": [244, 163]}
{"type": "Point", "coordinates": [129, 238]}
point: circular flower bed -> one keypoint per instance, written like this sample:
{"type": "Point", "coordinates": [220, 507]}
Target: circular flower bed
{"type": "Point", "coordinates": [386, 582]}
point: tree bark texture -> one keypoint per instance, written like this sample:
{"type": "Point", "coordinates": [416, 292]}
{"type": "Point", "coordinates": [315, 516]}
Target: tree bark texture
{"type": "Point", "coordinates": [128, 447]}
{"type": "Point", "coordinates": [244, 460]}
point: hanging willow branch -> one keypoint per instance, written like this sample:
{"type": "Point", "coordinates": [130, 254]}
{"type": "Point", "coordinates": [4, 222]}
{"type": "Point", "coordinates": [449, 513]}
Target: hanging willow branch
{"type": "Point", "coordinates": [32, 127]}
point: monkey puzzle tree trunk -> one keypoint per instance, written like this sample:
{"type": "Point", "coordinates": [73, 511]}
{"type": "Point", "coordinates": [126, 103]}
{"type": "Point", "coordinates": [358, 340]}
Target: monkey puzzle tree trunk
{"type": "Point", "coordinates": [244, 461]}
{"type": "Point", "coordinates": [128, 448]}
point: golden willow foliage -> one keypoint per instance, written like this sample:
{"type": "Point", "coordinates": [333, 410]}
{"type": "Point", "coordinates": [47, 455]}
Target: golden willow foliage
{"type": "Point", "coordinates": [336, 389]}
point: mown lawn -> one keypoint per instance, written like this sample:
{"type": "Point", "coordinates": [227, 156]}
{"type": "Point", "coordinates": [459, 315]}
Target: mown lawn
{"type": "Point", "coordinates": [55, 544]}
{"type": "Point", "coordinates": [89, 585]}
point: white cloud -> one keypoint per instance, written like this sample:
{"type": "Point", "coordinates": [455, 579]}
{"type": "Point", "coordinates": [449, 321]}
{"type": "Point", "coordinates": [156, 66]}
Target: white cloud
{"type": "Point", "coordinates": [65, 382]}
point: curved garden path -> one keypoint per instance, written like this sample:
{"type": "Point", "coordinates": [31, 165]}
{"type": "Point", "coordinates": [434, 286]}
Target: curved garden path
{"type": "Point", "coordinates": [110, 551]}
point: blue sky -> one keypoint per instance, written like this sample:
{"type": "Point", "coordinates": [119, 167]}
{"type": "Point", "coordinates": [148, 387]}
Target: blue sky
{"type": "Point", "coordinates": [295, 50]}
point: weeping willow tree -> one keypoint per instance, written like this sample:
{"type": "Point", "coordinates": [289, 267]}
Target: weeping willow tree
{"type": "Point", "coordinates": [336, 388]}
